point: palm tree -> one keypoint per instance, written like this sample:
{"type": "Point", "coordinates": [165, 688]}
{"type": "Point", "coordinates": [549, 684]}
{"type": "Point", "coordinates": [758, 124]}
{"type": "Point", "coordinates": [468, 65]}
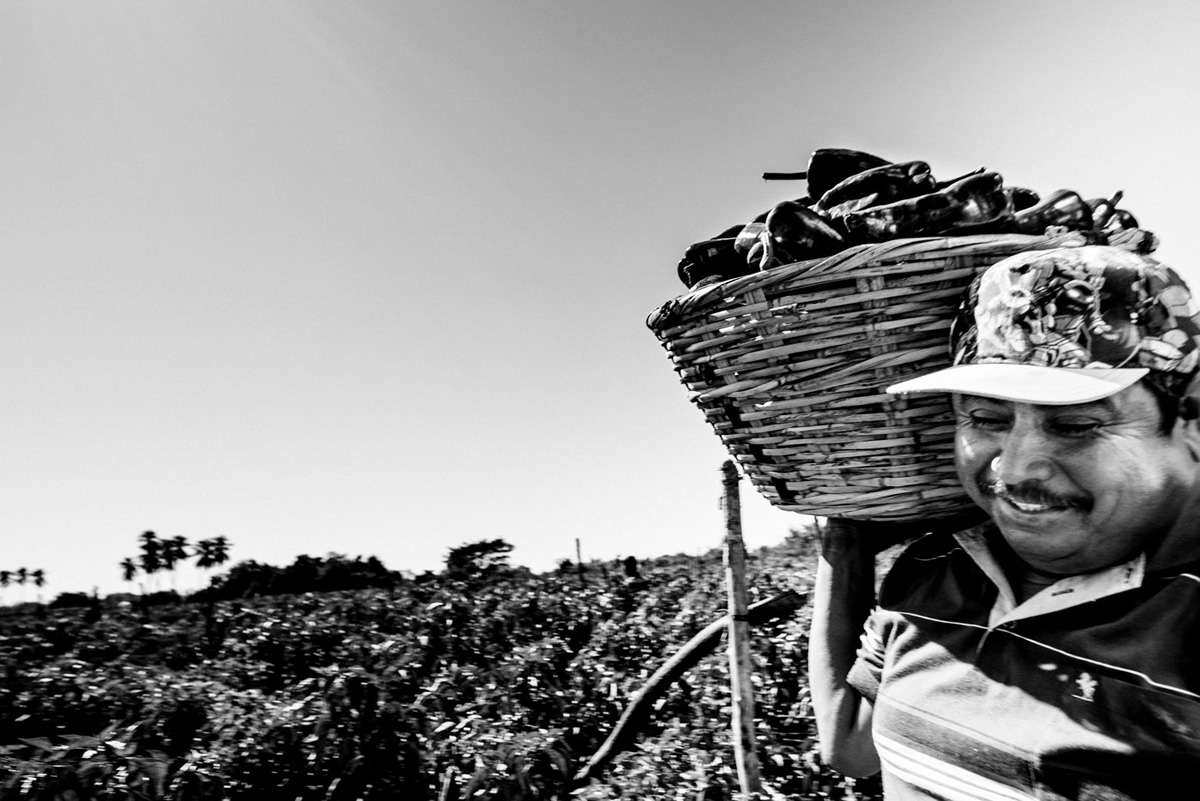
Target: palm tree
{"type": "Point", "coordinates": [5, 579]}
{"type": "Point", "coordinates": [173, 551]}
{"type": "Point", "coordinates": [129, 569]}
{"type": "Point", "coordinates": [22, 577]}
{"type": "Point", "coordinates": [220, 551]}
{"type": "Point", "coordinates": [212, 553]}
{"type": "Point", "coordinates": [151, 558]}
{"type": "Point", "coordinates": [204, 555]}
{"type": "Point", "coordinates": [39, 580]}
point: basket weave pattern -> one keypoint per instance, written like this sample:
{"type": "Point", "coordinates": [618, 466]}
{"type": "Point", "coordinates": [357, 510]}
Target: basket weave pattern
{"type": "Point", "coordinates": [789, 367]}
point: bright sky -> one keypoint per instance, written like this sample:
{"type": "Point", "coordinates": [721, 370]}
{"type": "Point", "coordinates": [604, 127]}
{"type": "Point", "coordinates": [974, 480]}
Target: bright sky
{"type": "Point", "coordinates": [371, 277]}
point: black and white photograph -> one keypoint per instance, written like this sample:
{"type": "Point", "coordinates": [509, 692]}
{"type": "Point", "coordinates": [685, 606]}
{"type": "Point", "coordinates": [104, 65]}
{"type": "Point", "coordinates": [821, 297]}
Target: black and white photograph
{"type": "Point", "coordinates": [554, 401]}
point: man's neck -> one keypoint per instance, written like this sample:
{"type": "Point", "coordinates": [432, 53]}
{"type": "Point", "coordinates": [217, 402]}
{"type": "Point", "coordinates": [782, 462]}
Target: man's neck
{"type": "Point", "coordinates": [1025, 579]}
{"type": "Point", "coordinates": [1027, 582]}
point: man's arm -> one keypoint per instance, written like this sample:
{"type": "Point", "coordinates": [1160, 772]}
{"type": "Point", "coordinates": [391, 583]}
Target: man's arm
{"type": "Point", "coordinates": [843, 598]}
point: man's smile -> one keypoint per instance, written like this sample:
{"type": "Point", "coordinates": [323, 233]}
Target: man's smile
{"type": "Point", "coordinates": [1033, 508]}
{"type": "Point", "coordinates": [1030, 499]}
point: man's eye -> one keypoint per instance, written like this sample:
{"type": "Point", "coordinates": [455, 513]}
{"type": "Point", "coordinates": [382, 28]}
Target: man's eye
{"type": "Point", "coordinates": [1074, 428]}
{"type": "Point", "coordinates": [987, 422]}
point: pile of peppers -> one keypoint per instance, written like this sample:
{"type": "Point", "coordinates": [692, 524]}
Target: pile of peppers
{"type": "Point", "coordinates": [857, 198]}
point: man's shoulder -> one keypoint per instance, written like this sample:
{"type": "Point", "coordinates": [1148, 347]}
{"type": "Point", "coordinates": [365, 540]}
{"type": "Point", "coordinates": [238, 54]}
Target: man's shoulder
{"type": "Point", "coordinates": [936, 570]}
{"type": "Point", "coordinates": [939, 549]}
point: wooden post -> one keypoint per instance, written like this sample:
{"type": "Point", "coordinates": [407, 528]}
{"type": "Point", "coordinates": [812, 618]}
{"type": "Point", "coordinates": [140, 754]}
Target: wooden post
{"type": "Point", "coordinates": [578, 561]}
{"type": "Point", "coordinates": [449, 791]}
{"type": "Point", "coordinates": [744, 749]}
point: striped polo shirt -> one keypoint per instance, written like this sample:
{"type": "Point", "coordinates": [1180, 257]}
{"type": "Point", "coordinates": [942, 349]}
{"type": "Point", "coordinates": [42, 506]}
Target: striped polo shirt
{"type": "Point", "coordinates": [1088, 690]}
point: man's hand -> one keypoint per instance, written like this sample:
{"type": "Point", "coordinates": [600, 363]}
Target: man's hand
{"type": "Point", "coordinates": [840, 535]}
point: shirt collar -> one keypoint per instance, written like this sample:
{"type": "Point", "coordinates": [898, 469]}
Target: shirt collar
{"type": "Point", "coordinates": [1063, 594]}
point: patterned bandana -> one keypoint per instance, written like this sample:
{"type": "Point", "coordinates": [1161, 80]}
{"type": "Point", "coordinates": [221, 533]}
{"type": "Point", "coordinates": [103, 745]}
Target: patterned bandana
{"type": "Point", "coordinates": [1102, 313]}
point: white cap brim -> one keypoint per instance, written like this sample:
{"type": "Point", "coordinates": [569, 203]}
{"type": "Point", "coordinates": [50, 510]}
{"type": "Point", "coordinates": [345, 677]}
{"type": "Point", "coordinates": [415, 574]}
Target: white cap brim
{"type": "Point", "coordinates": [1026, 383]}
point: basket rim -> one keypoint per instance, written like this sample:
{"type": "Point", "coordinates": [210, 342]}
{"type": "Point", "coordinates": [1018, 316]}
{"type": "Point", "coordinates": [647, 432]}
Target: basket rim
{"type": "Point", "coordinates": [853, 258]}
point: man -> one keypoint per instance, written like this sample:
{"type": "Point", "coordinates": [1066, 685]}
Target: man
{"type": "Point", "coordinates": [1052, 650]}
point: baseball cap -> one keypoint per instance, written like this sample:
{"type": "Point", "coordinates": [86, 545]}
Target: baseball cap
{"type": "Point", "coordinates": [1070, 325]}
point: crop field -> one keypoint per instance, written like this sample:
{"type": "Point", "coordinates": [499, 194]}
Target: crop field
{"type": "Point", "coordinates": [435, 689]}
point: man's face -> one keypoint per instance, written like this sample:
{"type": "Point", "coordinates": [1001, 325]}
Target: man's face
{"type": "Point", "coordinates": [1074, 488]}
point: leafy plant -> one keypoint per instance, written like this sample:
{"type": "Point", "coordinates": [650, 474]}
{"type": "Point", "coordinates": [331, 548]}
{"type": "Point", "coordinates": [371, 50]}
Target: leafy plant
{"type": "Point", "coordinates": [492, 687]}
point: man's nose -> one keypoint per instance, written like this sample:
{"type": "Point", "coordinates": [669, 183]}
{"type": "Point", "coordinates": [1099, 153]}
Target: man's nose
{"type": "Point", "coordinates": [1025, 455]}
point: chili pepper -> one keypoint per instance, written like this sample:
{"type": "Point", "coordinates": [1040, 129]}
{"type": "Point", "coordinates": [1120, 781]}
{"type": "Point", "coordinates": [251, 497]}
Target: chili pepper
{"type": "Point", "coordinates": [714, 257]}
{"type": "Point", "coordinates": [828, 166]}
{"type": "Point", "coordinates": [711, 258]}
{"type": "Point", "coordinates": [985, 203]}
{"type": "Point", "coordinates": [1061, 208]}
{"type": "Point", "coordinates": [943, 184]}
{"type": "Point", "coordinates": [755, 246]}
{"type": "Point", "coordinates": [803, 201]}
{"type": "Point", "coordinates": [750, 234]}
{"type": "Point", "coordinates": [1103, 208]}
{"type": "Point", "coordinates": [969, 203]}
{"type": "Point", "coordinates": [877, 187]}
{"type": "Point", "coordinates": [1021, 197]}
{"type": "Point", "coordinates": [800, 233]}
{"type": "Point", "coordinates": [761, 255]}
{"type": "Point", "coordinates": [1121, 219]}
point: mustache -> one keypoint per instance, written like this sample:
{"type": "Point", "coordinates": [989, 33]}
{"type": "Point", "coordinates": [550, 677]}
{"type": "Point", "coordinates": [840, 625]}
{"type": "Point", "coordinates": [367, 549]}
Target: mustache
{"type": "Point", "coordinates": [1030, 492]}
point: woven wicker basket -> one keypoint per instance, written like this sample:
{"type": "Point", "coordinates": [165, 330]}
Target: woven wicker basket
{"type": "Point", "coordinates": [789, 366]}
